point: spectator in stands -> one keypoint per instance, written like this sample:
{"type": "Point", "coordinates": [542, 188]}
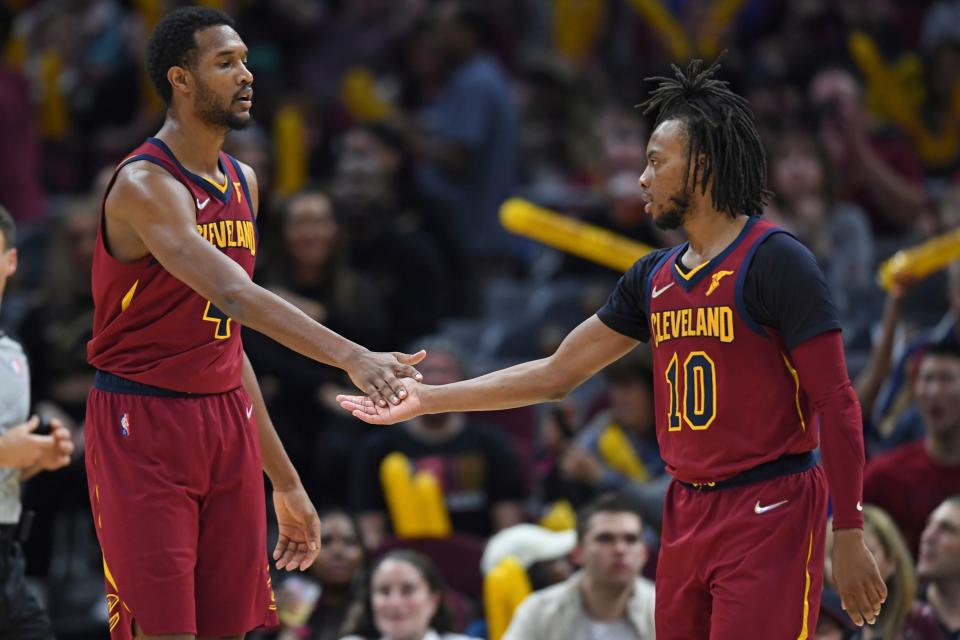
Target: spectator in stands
{"type": "Point", "coordinates": [630, 391]}
{"type": "Point", "coordinates": [837, 232]}
{"type": "Point", "coordinates": [404, 601]}
{"type": "Point", "coordinates": [876, 168]}
{"type": "Point", "coordinates": [466, 139]}
{"type": "Point", "coordinates": [312, 273]}
{"type": "Point", "coordinates": [884, 389]}
{"type": "Point", "coordinates": [543, 553]}
{"type": "Point", "coordinates": [909, 481]}
{"type": "Point", "coordinates": [833, 623]}
{"type": "Point", "coordinates": [314, 606]}
{"type": "Point", "coordinates": [475, 464]}
{"type": "Point", "coordinates": [939, 566]}
{"type": "Point", "coordinates": [608, 598]}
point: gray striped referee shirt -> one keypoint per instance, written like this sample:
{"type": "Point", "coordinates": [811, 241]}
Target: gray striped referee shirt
{"type": "Point", "coordinates": [14, 409]}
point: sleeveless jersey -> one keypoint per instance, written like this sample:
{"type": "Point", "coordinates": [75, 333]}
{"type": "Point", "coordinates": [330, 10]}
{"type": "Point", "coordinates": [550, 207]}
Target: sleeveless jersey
{"type": "Point", "coordinates": [726, 394]}
{"type": "Point", "coordinates": [150, 327]}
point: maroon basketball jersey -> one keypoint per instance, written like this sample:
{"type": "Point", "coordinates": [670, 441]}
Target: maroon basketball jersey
{"type": "Point", "coordinates": [727, 396]}
{"type": "Point", "coordinates": [150, 327]}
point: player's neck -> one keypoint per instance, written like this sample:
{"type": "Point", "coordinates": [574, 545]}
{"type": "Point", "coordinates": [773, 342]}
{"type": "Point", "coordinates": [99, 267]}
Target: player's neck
{"type": "Point", "coordinates": [944, 597]}
{"type": "Point", "coordinates": [709, 232]}
{"type": "Point", "coordinates": [196, 146]}
{"type": "Point", "coordinates": [605, 602]}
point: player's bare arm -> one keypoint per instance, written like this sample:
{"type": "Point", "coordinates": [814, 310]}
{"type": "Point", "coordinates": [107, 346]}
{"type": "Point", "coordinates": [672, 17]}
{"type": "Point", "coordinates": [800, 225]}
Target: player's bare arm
{"type": "Point", "coordinates": [149, 213]}
{"type": "Point", "coordinates": [587, 349]}
{"type": "Point", "coordinates": [299, 540]}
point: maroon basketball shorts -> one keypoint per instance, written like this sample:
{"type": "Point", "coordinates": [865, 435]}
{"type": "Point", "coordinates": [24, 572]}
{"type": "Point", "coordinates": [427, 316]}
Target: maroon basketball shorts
{"type": "Point", "coordinates": [743, 562]}
{"type": "Point", "coordinates": [176, 488]}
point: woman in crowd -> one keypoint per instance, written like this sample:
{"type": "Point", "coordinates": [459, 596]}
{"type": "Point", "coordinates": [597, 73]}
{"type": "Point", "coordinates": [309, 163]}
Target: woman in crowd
{"type": "Point", "coordinates": [404, 601]}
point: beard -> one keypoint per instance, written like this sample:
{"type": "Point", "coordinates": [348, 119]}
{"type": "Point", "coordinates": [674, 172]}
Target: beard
{"type": "Point", "coordinates": [215, 114]}
{"type": "Point", "coordinates": [674, 217]}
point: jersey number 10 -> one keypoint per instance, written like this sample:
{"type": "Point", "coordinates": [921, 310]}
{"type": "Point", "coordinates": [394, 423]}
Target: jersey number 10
{"type": "Point", "coordinates": [693, 392]}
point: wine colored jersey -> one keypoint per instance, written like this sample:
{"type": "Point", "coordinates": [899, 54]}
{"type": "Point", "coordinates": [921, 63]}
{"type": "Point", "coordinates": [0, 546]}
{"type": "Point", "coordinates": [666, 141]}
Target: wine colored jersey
{"type": "Point", "coordinates": [150, 327]}
{"type": "Point", "coordinates": [727, 395]}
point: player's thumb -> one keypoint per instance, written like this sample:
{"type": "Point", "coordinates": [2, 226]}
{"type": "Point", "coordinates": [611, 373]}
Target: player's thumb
{"type": "Point", "coordinates": [410, 358]}
{"type": "Point", "coordinates": [32, 424]}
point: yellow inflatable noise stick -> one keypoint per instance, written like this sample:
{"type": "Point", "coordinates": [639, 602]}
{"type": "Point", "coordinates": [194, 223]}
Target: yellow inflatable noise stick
{"type": "Point", "coordinates": [504, 588]}
{"type": "Point", "coordinates": [587, 241]}
{"type": "Point", "coordinates": [619, 454]}
{"type": "Point", "coordinates": [922, 260]}
{"type": "Point", "coordinates": [415, 500]}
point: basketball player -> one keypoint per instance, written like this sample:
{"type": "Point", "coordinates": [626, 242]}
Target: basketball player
{"type": "Point", "coordinates": [748, 363]}
{"type": "Point", "coordinates": [176, 430]}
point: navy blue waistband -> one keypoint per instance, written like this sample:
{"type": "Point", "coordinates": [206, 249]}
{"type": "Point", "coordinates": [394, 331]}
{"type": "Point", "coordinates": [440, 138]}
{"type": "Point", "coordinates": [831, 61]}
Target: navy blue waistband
{"type": "Point", "coordinates": [783, 466]}
{"type": "Point", "coordinates": [115, 384]}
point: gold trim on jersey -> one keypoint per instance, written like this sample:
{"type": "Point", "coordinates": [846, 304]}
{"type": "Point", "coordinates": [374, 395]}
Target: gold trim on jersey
{"type": "Point", "coordinates": [128, 296]}
{"type": "Point", "coordinates": [226, 182]}
{"type": "Point", "coordinates": [692, 272]}
{"type": "Point", "coordinates": [806, 593]}
{"type": "Point", "coordinates": [796, 381]}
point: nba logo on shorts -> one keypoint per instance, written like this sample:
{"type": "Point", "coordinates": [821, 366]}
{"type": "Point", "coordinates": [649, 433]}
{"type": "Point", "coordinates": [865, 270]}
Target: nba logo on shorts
{"type": "Point", "coordinates": [125, 424]}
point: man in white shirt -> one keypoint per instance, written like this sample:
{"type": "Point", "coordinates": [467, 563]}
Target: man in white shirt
{"type": "Point", "coordinates": [608, 599]}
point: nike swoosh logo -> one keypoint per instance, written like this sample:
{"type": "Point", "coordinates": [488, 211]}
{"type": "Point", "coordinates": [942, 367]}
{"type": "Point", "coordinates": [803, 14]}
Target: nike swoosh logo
{"type": "Point", "coordinates": [656, 292]}
{"type": "Point", "coordinates": [201, 205]}
{"type": "Point", "coordinates": [249, 411]}
{"type": "Point", "coordinates": [770, 507]}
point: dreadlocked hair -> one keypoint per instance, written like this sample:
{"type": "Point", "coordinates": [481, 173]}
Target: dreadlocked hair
{"type": "Point", "coordinates": [719, 125]}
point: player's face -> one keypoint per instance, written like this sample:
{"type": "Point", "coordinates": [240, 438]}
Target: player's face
{"type": "Point", "coordinates": [663, 181]}
{"type": "Point", "coordinates": [8, 264]}
{"type": "Point", "coordinates": [403, 604]}
{"type": "Point", "coordinates": [937, 389]}
{"type": "Point", "coordinates": [940, 544]}
{"type": "Point", "coordinates": [340, 552]}
{"type": "Point", "coordinates": [612, 549]}
{"type": "Point", "coordinates": [224, 95]}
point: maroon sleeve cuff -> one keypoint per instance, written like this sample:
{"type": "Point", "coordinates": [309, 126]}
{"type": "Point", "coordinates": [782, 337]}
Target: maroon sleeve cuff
{"type": "Point", "coordinates": [822, 370]}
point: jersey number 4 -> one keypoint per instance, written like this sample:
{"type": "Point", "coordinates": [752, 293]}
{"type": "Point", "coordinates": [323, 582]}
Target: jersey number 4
{"type": "Point", "coordinates": [693, 392]}
{"type": "Point", "coordinates": [222, 320]}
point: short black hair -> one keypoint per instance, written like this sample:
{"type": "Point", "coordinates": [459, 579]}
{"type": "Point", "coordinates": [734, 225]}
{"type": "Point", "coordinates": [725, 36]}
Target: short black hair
{"type": "Point", "coordinates": [8, 229]}
{"type": "Point", "coordinates": [606, 503]}
{"type": "Point", "coordinates": [719, 125]}
{"type": "Point", "coordinates": [948, 346]}
{"type": "Point", "coordinates": [173, 43]}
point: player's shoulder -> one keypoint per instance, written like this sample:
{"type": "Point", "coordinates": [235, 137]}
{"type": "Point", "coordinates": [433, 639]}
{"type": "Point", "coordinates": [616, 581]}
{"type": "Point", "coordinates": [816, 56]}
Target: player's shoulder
{"type": "Point", "coordinates": [780, 246]}
{"type": "Point", "coordinates": [141, 181]}
{"type": "Point", "coordinates": [646, 264]}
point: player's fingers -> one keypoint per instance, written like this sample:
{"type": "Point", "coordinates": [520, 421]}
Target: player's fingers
{"type": "Point", "coordinates": [854, 609]}
{"type": "Point", "coordinates": [289, 551]}
{"type": "Point", "coordinates": [281, 545]}
{"type": "Point", "coordinates": [406, 371]}
{"type": "Point", "coordinates": [397, 390]}
{"type": "Point", "coordinates": [373, 391]}
{"type": "Point", "coordinates": [874, 598]}
{"type": "Point", "coordinates": [410, 358]}
{"type": "Point", "coordinates": [349, 405]}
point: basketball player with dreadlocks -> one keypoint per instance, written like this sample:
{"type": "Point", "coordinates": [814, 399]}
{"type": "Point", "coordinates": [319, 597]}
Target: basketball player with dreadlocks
{"type": "Point", "coordinates": [749, 368]}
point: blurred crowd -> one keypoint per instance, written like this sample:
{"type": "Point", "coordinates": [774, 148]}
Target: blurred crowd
{"type": "Point", "coordinates": [388, 133]}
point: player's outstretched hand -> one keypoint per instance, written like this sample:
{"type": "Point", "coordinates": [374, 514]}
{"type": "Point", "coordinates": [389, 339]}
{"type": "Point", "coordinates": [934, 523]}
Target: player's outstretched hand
{"type": "Point", "coordinates": [377, 374]}
{"type": "Point", "coordinates": [364, 408]}
{"type": "Point", "coordinates": [856, 577]}
{"type": "Point", "coordinates": [299, 541]}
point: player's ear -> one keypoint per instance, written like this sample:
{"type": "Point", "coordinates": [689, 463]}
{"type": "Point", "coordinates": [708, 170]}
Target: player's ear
{"type": "Point", "coordinates": [179, 79]}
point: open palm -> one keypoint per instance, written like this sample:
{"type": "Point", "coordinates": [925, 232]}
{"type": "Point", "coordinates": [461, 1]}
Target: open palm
{"type": "Point", "coordinates": [363, 408]}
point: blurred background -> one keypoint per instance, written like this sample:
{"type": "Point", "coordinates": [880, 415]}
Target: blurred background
{"type": "Point", "coordinates": [387, 135]}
